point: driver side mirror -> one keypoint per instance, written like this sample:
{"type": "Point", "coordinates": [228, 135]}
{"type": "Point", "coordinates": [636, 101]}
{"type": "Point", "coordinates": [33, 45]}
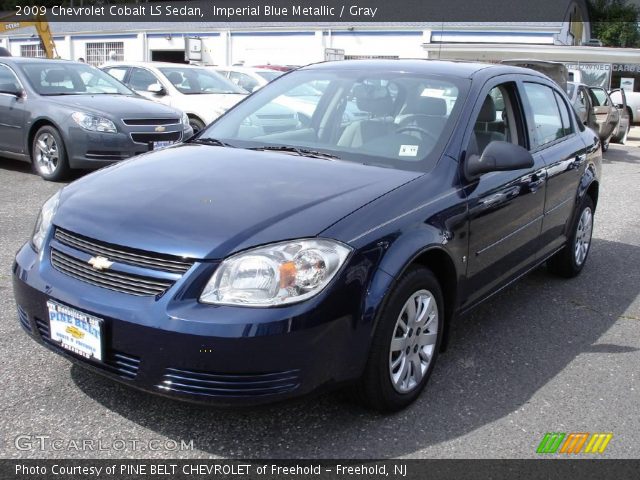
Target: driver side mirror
{"type": "Point", "coordinates": [156, 89]}
{"type": "Point", "coordinates": [12, 90]}
{"type": "Point", "coordinates": [498, 157]}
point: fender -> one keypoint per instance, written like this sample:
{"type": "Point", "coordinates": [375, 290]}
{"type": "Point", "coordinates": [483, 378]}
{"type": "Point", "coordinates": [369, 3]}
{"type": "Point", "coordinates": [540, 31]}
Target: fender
{"type": "Point", "coordinates": [398, 257]}
{"type": "Point", "coordinates": [29, 130]}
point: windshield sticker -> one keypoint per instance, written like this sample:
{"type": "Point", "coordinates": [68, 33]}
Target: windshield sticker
{"type": "Point", "coordinates": [408, 151]}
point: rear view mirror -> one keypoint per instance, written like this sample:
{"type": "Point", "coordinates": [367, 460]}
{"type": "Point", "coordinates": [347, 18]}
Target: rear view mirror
{"type": "Point", "coordinates": [156, 89]}
{"type": "Point", "coordinates": [498, 157]}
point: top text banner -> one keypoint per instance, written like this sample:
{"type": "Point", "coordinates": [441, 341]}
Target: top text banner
{"type": "Point", "coordinates": [299, 11]}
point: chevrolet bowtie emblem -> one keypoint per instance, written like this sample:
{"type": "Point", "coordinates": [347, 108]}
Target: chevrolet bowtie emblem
{"type": "Point", "coordinates": [100, 263]}
{"type": "Point", "coordinates": [160, 128]}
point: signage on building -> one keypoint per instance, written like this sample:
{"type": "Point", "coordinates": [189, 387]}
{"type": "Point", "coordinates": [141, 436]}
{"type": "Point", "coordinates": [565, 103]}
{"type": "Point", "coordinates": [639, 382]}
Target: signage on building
{"type": "Point", "coordinates": [591, 74]}
{"type": "Point", "coordinates": [193, 49]}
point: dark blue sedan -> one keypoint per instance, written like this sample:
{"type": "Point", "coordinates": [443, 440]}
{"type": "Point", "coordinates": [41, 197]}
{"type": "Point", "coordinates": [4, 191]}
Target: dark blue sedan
{"type": "Point", "coordinates": [247, 266]}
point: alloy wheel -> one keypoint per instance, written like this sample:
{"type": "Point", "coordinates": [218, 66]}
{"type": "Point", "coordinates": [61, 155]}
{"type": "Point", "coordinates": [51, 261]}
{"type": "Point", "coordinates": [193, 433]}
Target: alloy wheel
{"type": "Point", "coordinates": [413, 341]}
{"type": "Point", "coordinates": [47, 153]}
{"type": "Point", "coordinates": [583, 236]}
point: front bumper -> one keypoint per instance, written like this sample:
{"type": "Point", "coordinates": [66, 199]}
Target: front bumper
{"type": "Point", "coordinates": [175, 346]}
{"type": "Point", "coordinates": [93, 149]}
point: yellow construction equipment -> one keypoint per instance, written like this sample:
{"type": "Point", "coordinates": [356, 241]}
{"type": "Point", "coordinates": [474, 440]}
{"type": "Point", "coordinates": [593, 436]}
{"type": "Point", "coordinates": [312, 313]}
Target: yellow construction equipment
{"type": "Point", "coordinates": [10, 23]}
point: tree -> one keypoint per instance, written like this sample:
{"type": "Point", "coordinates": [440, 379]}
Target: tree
{"type": "Point", "coordinates": [614, 23]}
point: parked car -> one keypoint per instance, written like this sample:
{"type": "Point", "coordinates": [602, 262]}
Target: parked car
{"type": "Point", "coordinates": [253, 268]}
{"type": "Point", "coordinates": [247, 78]}
{"type": "Point", "coordinates": [279, 68]}
{"type": "Point", "coordinates": [202, 94]}
{"type": "Point", "coordinates": [596, 110]}
{"type": "Point", "coordinates": [61, 115]}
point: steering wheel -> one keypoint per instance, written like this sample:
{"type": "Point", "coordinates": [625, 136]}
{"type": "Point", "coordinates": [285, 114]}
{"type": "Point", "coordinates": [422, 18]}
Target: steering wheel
{"type": "Point", "coordinates": [415, 128]}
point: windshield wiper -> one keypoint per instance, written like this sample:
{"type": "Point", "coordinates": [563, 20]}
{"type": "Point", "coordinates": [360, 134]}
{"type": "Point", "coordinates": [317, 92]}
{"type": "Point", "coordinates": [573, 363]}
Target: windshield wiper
{"type": "Point", "coordinates": [211, 141]}
{"type": "Point", "coordinates": [303, 152]}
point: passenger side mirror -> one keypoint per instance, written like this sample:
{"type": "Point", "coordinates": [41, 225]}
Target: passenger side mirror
{"type": "Point", "coordinates": [156, 89]}
{"type": "Point", "coordinates": [498, 157]}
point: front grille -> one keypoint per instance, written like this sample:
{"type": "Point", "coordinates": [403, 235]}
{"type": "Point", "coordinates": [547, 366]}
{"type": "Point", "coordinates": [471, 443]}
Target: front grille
{"type": "Point", "coordinates": [150, 121]}
{"type": "Point", "coordinates": [24, 319]}
{"type": "Point", "coordinates": [119, 363]}
{"type": "Point", "coordinates": [130, 256]}
{"type": "Point", "coordinates": [156, 137]}
{"type": "Point", "coordinates": [120, 282]}
{"type": "Point", "coordinates": [225, 385]}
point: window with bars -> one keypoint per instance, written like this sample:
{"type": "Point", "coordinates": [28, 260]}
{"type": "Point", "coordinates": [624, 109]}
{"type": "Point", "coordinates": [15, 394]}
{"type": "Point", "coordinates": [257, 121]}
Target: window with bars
{"type": "Point", "coordinates": [98, 53]}
{"type": "Point", "coordinates": [33, 50]}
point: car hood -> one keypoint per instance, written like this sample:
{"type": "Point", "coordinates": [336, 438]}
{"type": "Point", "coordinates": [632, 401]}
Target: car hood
{"type": "Point", "coordinates": [206, 202]}
{"type": "Point", "coordinates": [115, 106]}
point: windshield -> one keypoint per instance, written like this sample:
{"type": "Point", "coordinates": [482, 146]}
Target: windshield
{"type": "Point", "coordinates": [194, 81]}
{"type": "Point", "coordinates": [57, 78]}
{"type": "Point", "coordinates": [268, 76]}
{"type": "Point", "coordinates": [390, 119]}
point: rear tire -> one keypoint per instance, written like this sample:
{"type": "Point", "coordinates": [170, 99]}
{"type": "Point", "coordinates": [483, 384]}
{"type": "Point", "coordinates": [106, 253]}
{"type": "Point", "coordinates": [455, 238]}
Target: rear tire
{"type": "Point", "coordinates": [49, 155]}
{"type": "Point", "coordinates": [570, 261]}
{"type": "Point", "coordinates": [405, 344]}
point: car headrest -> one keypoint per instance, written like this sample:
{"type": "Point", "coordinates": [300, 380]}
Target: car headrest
{"type": "Point", "coordinates": [55, 76]}
{"type": "Point", "coordinates": [175, 77]}
{"type": "Point", "coordinates": [428, 106]}
{"type": "Point", "coordinates": [4, 52]}
{"type": "Point", "coordinates": [374, 100]}
{"type": "Point", "coordinates": [488, 111]}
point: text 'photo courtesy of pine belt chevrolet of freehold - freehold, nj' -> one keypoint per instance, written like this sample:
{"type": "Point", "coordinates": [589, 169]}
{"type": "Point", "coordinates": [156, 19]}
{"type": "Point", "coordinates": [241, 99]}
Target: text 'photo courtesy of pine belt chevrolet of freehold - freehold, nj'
{"type": "Point", "coordinates": [319, 239]}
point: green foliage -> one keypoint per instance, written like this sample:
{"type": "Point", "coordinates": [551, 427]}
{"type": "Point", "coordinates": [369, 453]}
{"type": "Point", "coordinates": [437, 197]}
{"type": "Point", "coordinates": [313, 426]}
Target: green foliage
{"type": "Point", "coordinates": [614, 22]}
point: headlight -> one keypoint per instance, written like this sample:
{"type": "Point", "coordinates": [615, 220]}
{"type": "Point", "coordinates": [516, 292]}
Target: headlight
{"type": "Point", "coordinates": [44, 221]}
{"type": "Point", "coordinates": [185, 119]}
{"type": "Point", "coordinates": [277, 274]}
{"type": "Point", "coordinates": [94, 123]}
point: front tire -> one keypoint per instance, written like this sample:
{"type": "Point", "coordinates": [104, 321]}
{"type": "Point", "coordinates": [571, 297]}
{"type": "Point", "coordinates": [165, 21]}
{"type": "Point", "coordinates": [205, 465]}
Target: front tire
{"type": "Point", "coordinates": [196, 124]}
{"type": "Point", "coordinates": [570, 261]}
{"type": "Point", "coordinates": [49, 155]}
{"type": "Point", "coordinates": [406, 343]}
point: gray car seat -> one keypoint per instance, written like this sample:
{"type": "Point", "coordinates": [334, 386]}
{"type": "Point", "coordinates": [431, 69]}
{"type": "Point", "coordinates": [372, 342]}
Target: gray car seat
{"type": "Point", "coordinates": [378, 103]}
{"type": "Point", "coordinates": [484, 136]}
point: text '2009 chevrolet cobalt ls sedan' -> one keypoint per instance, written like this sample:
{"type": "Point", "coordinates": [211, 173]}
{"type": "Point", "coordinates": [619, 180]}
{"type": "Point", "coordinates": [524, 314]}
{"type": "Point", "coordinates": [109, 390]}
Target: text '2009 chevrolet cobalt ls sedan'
{"type": "Point", "coordinates": [245, 266]}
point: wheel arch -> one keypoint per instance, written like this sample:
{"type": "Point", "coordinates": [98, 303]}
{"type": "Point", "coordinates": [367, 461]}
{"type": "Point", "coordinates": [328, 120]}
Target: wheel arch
{"type": "Point", "coordinates": [37, 125]}
{"type": "Point", "coordinates": [437, 259]}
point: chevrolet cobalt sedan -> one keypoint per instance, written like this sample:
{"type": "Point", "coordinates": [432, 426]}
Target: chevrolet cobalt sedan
{"type": "Point", "coordinates": [62, 115]}
{"type": "Point", "coordinates": [245, 266]}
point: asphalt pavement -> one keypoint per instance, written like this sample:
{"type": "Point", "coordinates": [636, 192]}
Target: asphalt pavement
{"type": "Point", "coordinates": [545, 355]}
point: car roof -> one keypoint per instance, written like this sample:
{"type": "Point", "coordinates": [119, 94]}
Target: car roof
{"type": "Point", "coordinates": [421, 66]}
{"type": "Point", "coordinates": [17, 60]}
